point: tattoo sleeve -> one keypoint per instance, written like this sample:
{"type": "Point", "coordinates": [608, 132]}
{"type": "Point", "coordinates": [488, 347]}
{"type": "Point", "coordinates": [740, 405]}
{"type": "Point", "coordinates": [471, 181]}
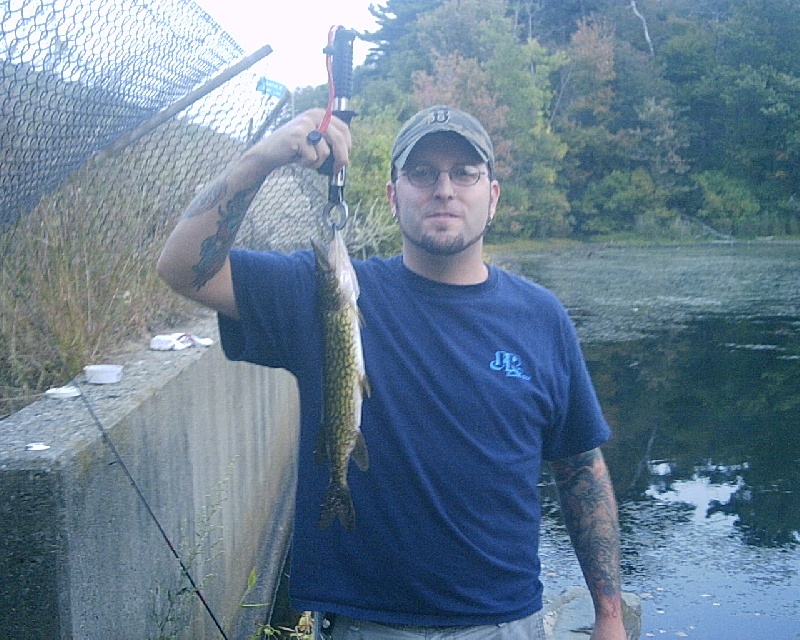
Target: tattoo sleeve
{"type": "Point", "coordinates": [206, 199]}
{"type": "Point", "coordinates": [214, 249]}
{"type": "Point", "coordinates": [590, 514]}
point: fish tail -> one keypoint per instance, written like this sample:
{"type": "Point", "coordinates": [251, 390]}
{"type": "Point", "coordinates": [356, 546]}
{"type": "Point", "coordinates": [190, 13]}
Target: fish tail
{"type": "Point", "coordinates": [338, 502]}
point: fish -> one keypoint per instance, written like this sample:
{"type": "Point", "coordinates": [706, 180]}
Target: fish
{"type": "Point", "coordinates": [344, 379]}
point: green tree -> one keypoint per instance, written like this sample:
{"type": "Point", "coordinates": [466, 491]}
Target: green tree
{"type": "Point", "coordinates": [484, 69]}
{"type": "Point", "coordinates": [728, 204]}
{"type": "Point", "coordinates": [662, 141]}
{"type": "Point", "coordinates": [575, 91]}
{"type": "Point", "coordinates": [582, 112]}
{"type": "Point", "coordinates": [369, 171]}
{"type": "Point", "coordinates": [736, 74]}
{"type": "Point", "coordinates": [623, 201]}
{"type": "Point", "coordinates": [552, 22]}
{"type": "Point", "coordinates": [397, 52]}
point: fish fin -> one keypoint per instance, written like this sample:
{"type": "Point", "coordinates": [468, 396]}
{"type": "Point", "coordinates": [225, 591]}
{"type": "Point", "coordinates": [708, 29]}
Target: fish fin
{"type": "Point", "coordinates": [338, 502]}
{"type": "Point", "coordinates": [365, 388]}
{"type": "Point", "coordinates": [360, 453]}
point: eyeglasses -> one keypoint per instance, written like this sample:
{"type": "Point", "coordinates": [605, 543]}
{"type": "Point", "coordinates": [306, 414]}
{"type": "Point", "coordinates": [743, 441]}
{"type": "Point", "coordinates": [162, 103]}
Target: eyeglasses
{"type": "Point", "coordinates": [424, 176]}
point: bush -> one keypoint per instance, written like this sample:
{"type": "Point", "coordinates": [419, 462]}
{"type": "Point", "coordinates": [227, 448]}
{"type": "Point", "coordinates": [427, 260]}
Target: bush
{"type": "Point", "coordinates": [623, 201]}
{"type": "Point", "coordinates": [728, 205]}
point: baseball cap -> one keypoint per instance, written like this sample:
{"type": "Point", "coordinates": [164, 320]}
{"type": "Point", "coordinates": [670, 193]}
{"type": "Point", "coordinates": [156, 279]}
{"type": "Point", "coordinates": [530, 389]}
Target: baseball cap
{"type": "Point", "coordinates": [441, 118]}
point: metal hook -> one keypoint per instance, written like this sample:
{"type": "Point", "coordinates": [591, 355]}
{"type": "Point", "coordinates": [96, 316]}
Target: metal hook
{"type": "Point", "coordinates": [337, 223]}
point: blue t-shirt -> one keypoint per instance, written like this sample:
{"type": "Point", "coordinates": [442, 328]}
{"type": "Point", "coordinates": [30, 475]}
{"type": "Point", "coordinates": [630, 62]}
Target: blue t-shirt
{"type": "Point", "coordinates": [471, 387]}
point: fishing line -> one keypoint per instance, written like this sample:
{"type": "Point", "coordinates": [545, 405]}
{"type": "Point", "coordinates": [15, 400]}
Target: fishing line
{"type": "Point", "coordinates": [50, 341]}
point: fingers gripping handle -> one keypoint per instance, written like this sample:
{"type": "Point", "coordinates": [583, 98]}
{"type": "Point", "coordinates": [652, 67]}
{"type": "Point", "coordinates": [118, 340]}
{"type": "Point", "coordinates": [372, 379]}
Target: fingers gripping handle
{"type": "Point", "coordinates": [340, 55]}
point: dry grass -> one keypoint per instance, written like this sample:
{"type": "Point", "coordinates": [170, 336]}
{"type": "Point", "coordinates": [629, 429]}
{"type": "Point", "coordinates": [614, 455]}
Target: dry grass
{"type": "Point", "coordinates": [78, 277]}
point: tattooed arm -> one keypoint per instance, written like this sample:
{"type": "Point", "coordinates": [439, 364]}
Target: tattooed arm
{"type": "Point", "coordinates": [194, 261]}
{"type": "Point", "coordinates": [590, 513]}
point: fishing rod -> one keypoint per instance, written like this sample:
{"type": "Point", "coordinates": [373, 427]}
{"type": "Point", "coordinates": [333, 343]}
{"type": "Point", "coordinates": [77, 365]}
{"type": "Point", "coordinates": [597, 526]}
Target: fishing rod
{"type": "Point", "coordinates": [339, 62]}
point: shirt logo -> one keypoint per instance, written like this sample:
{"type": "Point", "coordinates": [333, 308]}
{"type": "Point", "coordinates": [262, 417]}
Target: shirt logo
{"type": "Point", "coordinates": [509, 363]}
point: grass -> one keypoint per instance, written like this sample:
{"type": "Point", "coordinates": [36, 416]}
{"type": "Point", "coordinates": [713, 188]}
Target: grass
{"type": "Point", "coordinates": [303, 624]}
{"type": "Point", "coordinates": [303, 630]}
{"type": "Point", "coordinates": [77, 277]}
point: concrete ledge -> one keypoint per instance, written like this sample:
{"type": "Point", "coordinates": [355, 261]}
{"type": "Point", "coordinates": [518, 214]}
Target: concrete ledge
{"type": "Point", "coordinates": [570, 616]}
{"type": "Point", "coordinates": [211, 444]}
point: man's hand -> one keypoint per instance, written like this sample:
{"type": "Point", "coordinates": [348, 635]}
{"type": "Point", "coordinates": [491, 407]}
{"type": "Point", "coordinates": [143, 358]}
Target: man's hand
{"type": "Point", "coordinates": [290, 143]}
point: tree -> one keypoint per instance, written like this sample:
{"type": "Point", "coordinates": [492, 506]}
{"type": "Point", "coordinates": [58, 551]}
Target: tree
{"type": "Point", "coordinates": [506, 85]}
{"type": "Point", "coordinates": [622, 201]}
{"type": "Point", "coordinates": [582, 115]}
{"type": "Point", "coordinates": [662, 142]}
{"type": "Point", "coordinates": [573, 91]}
{"type": "Point", "coordinates": [397, 52]}
{"type": "Point", "coordinates": [552, 22]}
{"type": "Point", "coordinates": [728, 205]}
{"type": "Point", "coordinates": [369, 171]}
{"type": "Point", "coordinates": [735, 73]}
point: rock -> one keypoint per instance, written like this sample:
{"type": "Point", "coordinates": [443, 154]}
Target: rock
{"type": "Point", "coordinates": [570, 616]}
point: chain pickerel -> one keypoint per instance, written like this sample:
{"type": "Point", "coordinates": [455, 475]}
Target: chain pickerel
{"type": "Point", "coordinates": [344, 379]}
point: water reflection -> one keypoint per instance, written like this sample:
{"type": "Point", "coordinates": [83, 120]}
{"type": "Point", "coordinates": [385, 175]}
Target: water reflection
{"type": "Point", "coordinates": [706, 463]}
{"type": "Point", "coordinates": [717, 403]}
{"type": "Point", "coordinates": [695, 352]}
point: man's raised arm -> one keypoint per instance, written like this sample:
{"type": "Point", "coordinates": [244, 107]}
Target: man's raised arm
{"type": "Point", "coordinates": [194, 261]}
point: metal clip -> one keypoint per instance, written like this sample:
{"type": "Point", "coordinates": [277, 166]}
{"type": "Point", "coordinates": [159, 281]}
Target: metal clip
{"type": "Point", "coordinates": [337, 222]}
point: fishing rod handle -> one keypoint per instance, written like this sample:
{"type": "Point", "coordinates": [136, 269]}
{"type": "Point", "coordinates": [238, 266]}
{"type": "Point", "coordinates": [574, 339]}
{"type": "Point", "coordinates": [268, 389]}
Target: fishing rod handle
{"type": "Point", "coordinates": [341, 53]}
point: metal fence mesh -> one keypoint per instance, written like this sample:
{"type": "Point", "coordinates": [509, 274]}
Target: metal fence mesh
{"type": "Point", "coordinates": [84, 210]}
{"type": "Point", "coordinates": [77, 75]}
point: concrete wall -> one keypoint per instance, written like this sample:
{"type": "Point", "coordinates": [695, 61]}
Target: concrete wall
{"type": "Point", "coordinates": [211, 444]}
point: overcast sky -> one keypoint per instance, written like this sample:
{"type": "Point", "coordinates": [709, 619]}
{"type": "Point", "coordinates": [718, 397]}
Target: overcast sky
{"type": "Point", "coordinates": [297, 31]}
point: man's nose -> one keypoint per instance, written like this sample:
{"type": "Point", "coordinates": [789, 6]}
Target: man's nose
{"type": "Point", "coordinates": [444, 184]}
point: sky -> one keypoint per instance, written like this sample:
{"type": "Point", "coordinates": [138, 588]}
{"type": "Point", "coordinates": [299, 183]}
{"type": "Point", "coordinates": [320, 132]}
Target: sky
{"type": "Point", "coordinates": [297, 31]}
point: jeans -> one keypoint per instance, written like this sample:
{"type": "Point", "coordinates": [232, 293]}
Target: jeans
{"type": "Point", "coordinates": [344, 628]}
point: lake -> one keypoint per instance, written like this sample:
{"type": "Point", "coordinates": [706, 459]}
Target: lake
{"type": "Point", "coordinates": [695, 353]}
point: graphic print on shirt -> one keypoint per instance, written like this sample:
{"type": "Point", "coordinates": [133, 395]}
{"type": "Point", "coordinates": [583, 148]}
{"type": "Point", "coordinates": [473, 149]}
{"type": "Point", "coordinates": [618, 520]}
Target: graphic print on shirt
{"type": "Point", "coordinates": [510, 364]}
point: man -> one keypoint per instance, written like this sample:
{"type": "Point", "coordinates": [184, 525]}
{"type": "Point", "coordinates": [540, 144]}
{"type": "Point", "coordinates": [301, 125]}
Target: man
{"type": "Point", "coordinates": [476, 376]}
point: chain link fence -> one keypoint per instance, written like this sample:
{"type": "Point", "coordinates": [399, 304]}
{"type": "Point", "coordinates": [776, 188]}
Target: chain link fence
{"type": "Point", "coordinates": [76, 76]}
{"type": "Point", "coordinates": [90, 186]}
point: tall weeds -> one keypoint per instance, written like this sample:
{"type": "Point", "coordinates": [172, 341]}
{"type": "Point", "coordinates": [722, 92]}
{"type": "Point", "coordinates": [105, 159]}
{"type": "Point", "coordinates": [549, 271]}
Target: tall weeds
{"type": "Point", "coordinates": [78, 276]}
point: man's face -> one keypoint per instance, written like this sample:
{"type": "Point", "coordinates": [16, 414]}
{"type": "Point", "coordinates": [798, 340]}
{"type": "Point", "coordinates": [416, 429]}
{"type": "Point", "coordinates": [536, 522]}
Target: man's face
{"type": "Point", "coordinates": [445, 218]}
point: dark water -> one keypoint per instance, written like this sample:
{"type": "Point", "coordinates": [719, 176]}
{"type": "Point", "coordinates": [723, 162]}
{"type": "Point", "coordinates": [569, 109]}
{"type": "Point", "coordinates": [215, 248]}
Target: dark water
{"type": "Point", "coordinates": [704, 399]}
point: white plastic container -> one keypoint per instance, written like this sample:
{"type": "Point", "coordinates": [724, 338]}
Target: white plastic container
{"type": "Point", "coordinates": [103, 373]}
{"type": "Point", "coordinates": [63, 393]}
